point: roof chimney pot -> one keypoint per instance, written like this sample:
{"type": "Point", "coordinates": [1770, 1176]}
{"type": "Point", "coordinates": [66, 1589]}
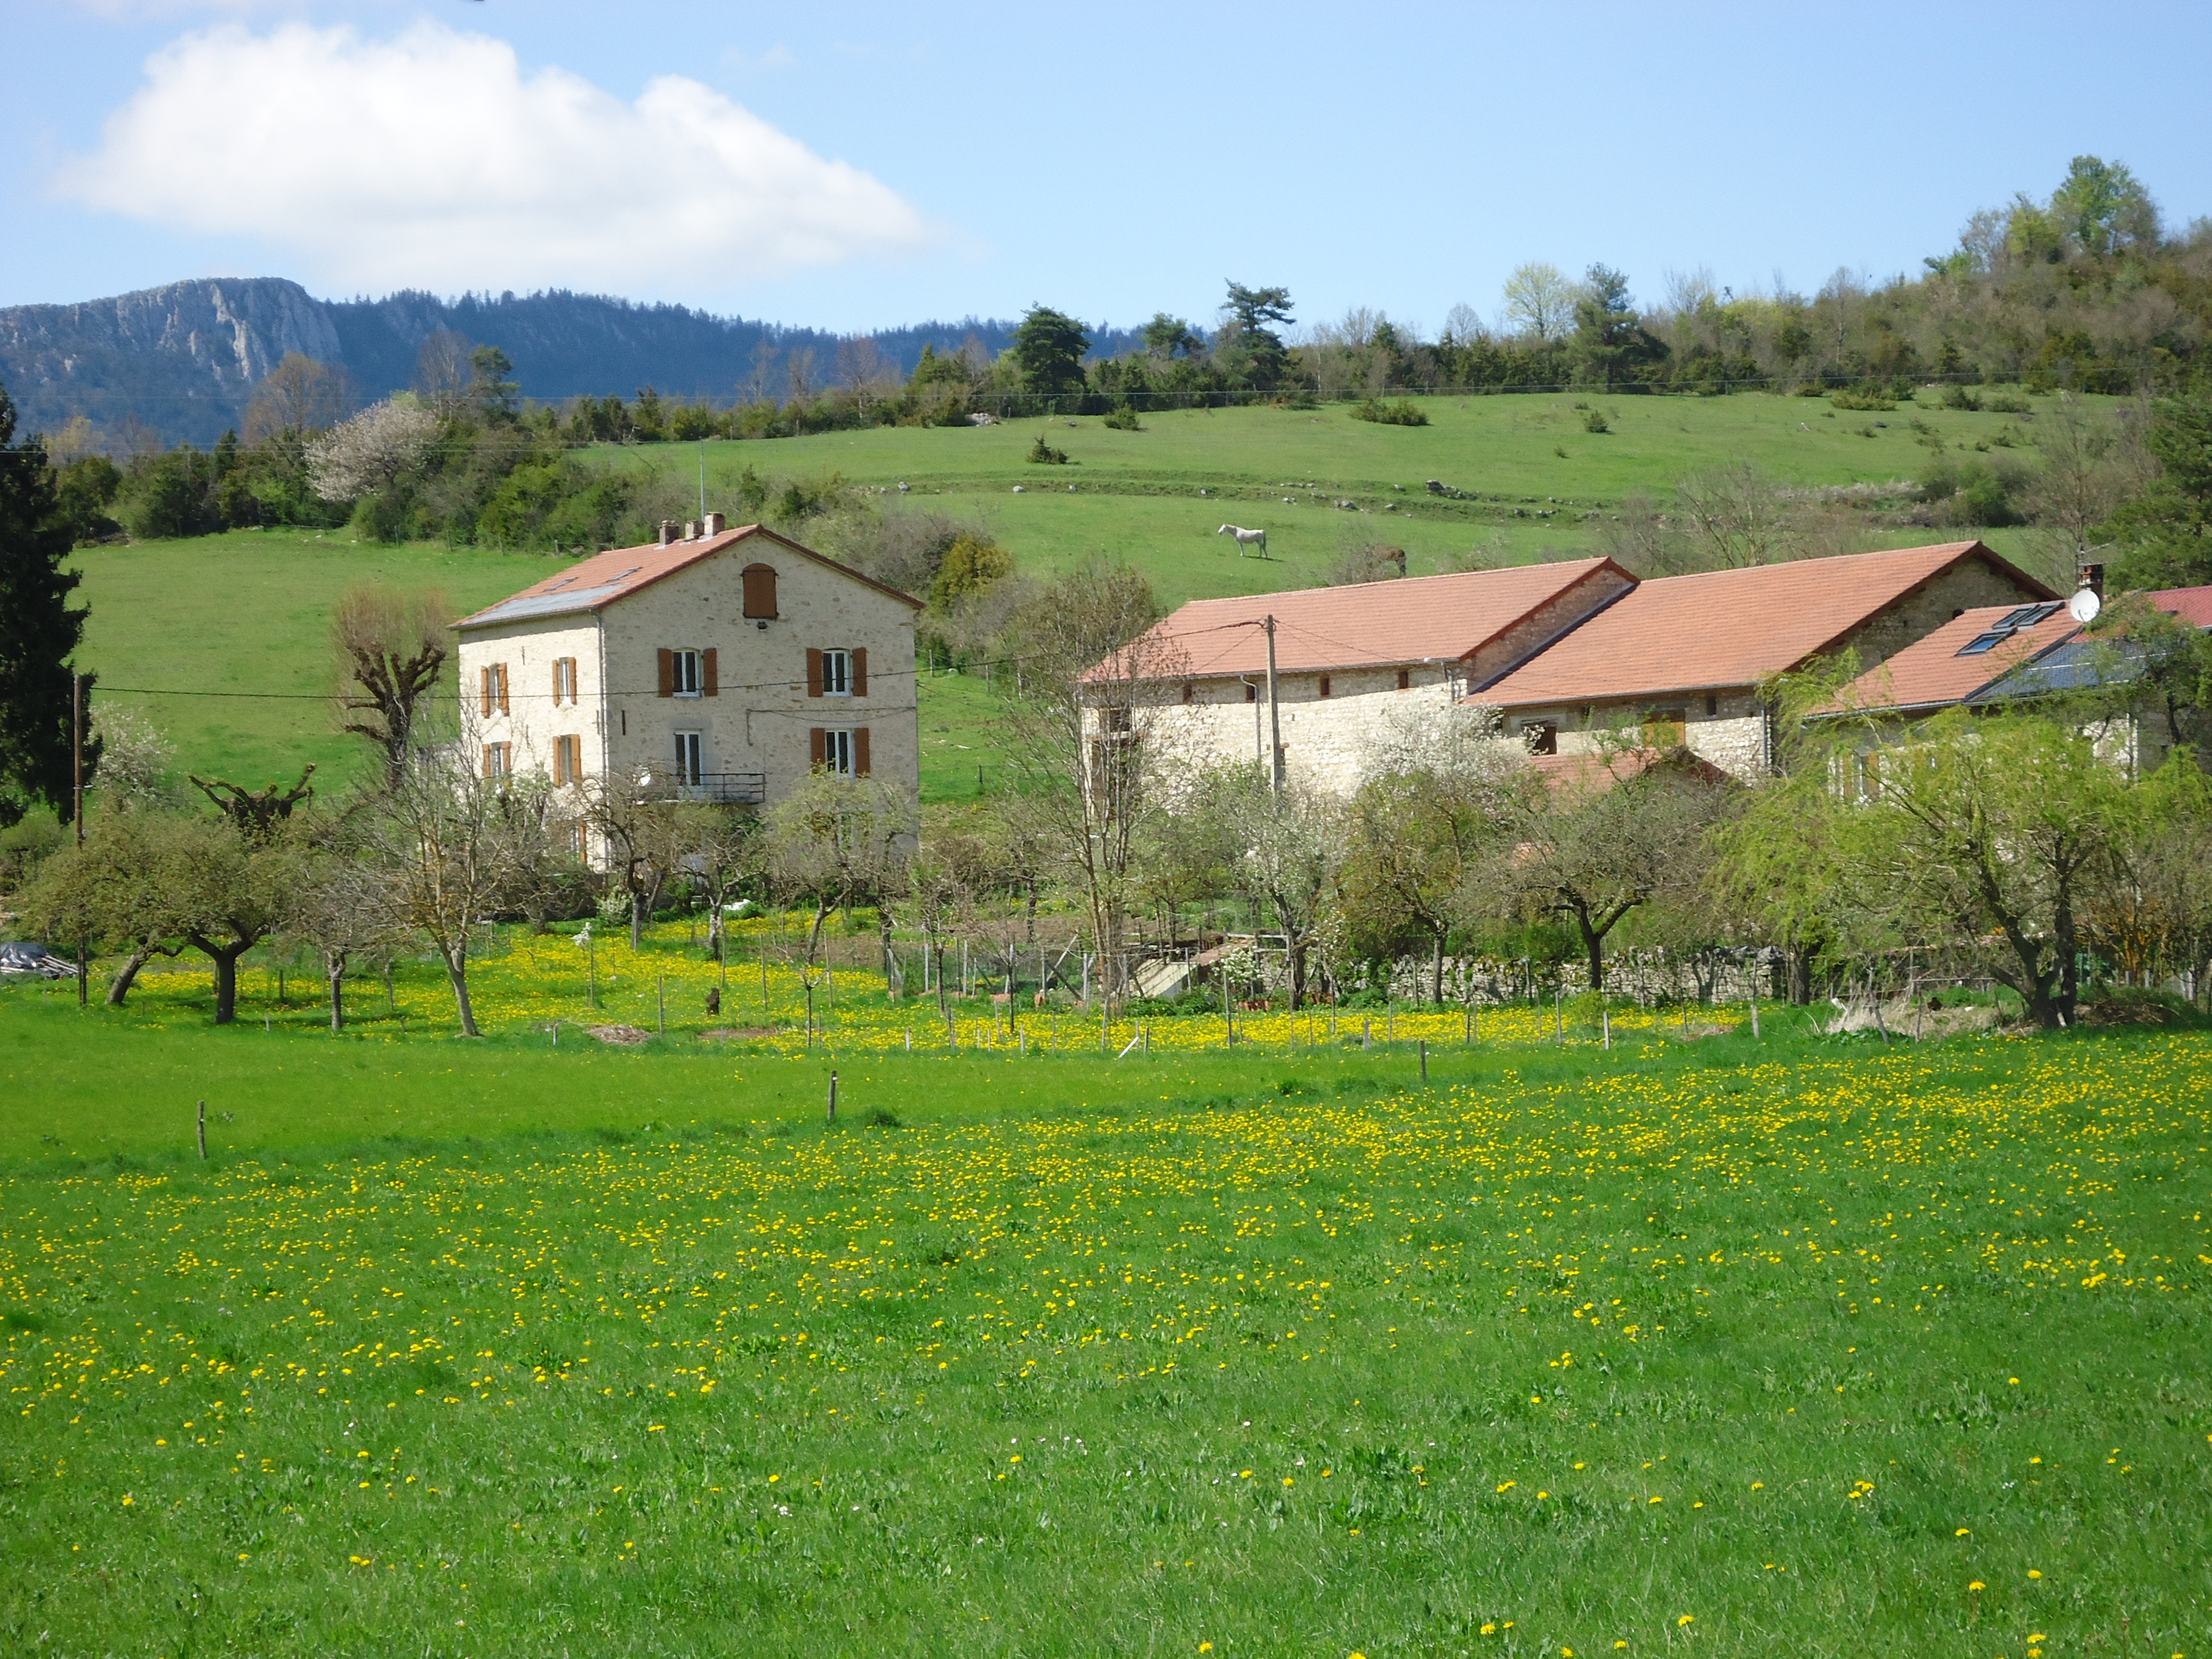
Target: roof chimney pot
{"type": "Point", "coordinates": [2091, 576]}
{"type": "Point", "coordinates": [667, 531]}
{"type": "Point", "coordinates": [714, 523]}
{"type": "Point", "coordinates": [691, 530]}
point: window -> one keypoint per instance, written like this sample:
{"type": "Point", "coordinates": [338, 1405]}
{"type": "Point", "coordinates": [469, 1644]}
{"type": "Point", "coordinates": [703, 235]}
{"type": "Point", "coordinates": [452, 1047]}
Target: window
{"type": "Point", "coordinates": [836, 674]}
{"type": "Point", "coordinates": [1542, 737]}
{"type": "Point", "coordinates": [564, 681]}
{"type": "Point", "coordinates": [1712, 704]}
{"type": "Point", "coordinates": [568, 759]}
{"type": "Point", "coordinates": [759, 580]}
{"type": "Point", "coordinates": [689, 674]}
{"type": "Point", "coordinates": [1662, 728]}
{"type": "Point", "coordinates": [1405, 679]}
{"type": "Point", "coordinates": [491, 681]}
{"type": "Point", "coordinates": [1114, 717]}
{"type": "Point", "coordinates": [1189, 692]}
{"type": "Point", "coordinates": [690, 758]}
{"type": "Point", "coordinates": [2026, 616]}
{"type": "Point", "coordinates": [498, 760]}
{"type": "Point", "coordinates": [686, 680]}
{"type": "Point", "coordinates": [1251, 692]}
{"type": "Point", "coordinates": [1324, 685]}
{"type": "Point", "coordinates": [843, 752]}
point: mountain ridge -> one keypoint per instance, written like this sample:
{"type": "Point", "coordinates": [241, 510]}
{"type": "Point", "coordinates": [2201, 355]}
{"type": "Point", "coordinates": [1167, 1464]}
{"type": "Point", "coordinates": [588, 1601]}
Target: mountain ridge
{"type": "Point", "coordinates": [183, 358]}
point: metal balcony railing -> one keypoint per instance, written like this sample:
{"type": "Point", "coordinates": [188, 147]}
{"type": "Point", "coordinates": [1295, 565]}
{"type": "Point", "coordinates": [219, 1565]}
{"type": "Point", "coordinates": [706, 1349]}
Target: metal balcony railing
{"type": "Point", "coordinates": [722, 788]}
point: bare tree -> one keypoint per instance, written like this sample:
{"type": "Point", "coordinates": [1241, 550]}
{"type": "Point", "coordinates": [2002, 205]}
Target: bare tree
{"type": "Point", "coordinates": [1735, 516]}
{"type": "Point", "coordinates": [1291, 857]}
{"type": "Point", "coordinates": [799, 373]}
{"type": "Point", "coordinates": [759, 383]}
{"type": "Point", "coordinates": [833, 841]}
{"type": "Point", "coordinates": [442, 844]}
{"type": "Point", "coordinates": [444, 370]}
{"type": "Point", "coordinates": [863, 368]}
{"type": "Point", "coordinates": [299, 395]}
{"type": "Point", "coordinates": [1085, 738]}
{"type": "Point", "coordinates": [391, 647]}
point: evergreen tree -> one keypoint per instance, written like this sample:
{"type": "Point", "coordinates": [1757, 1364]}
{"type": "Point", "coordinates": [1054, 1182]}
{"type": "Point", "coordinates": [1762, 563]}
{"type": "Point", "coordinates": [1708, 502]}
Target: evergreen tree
{"type": "Point", "coordinates": [1049, 347]}
{"type": "Point", "coordinates": [1250, 310]}
{"type": "Point", "coordinates": [39, 631]}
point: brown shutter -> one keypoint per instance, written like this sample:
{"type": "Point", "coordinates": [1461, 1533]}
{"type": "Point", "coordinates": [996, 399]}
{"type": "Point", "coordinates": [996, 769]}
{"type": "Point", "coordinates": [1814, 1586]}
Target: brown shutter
{"type": "Point", "coordinates": [487, 760]}
{"type": "Point", "coordinates": [813, 673]}
{"type": "Point", "coordinates": [759, 581]}
{"type": "Point", "coordinates": [667, 672]}
{"type": "Point", "coordinates": [710, 674]}
{"type": "Point", "coordinates": [860, 670]}
{"type": "Point", "coordinates": [484, 686]}
{"type": "Point", "coordinates": [557, 662]}
{"type": "Point", "coordinates": [817, 746]}
{"type": "Point", "coordinates": [501, 670]}
{"type": "Point", "coordinates": [859, 752]}
{"type": "Point", "coordinates": [560, 761]}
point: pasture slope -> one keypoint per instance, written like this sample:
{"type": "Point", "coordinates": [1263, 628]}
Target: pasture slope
{"type": "Point", "coordinates": [245, 612]}
{"type": "Point", "coordinates": [1722, 1347]}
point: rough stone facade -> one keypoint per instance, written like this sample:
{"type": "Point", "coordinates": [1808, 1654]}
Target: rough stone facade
{"type": "Point", "coordinates": [1730, 726]}
{"type": "Point", "coordinates": [756, 716]}
{"type": "Point", "coordinates": [1329, 743]}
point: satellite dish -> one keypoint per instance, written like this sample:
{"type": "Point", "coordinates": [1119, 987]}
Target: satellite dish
{"type": "Point", "coordinates": [2084, 605]}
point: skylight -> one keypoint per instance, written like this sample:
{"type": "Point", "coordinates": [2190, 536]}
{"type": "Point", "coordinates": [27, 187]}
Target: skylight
{"type": "Point", "coordinates": [2026, 616]}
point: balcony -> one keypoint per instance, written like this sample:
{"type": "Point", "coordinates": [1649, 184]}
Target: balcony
{"type": "Point", "coordinates": [715, 788]}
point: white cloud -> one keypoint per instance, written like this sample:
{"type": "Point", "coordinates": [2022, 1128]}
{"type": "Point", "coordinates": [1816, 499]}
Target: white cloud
{"type": "Point", "coordinates": [432, 161]}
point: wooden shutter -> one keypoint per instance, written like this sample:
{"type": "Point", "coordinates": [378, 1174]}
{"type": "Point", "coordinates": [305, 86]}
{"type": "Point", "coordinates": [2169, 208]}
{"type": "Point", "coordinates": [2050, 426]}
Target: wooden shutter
{"type": "Point", "coordinates": [667, 672]}
{"type": "Point", "coordinates": [710, 674]}
{"type": "Point", "coordinates": [859, 752]}
{"type": "Point", "coordinates": [860, 670]}
{"type": "Point", "coordinates": [759, 581]}
{"type": "Point", "coordinates": [558, 662]}
{"type": "Point", "coordinates": [817, 746]}
{"type": "Point", "coordinates": [484, 685]}
{"type": "Point", "coordinates": [813, 673]}
{"type": "Point", "coordinates": [499, 671]}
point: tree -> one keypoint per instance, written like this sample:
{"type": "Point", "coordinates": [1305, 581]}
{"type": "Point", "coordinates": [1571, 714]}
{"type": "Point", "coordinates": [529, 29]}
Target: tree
{"type": "Point", "coordinates": [1085, 740]}
{"type": "Point", "coordinates": [2105, 208]}
{"type": "Point", "coordinates": [1167, 336]}
{"type": "Point", "coordinates": [1735, 515]}
{"type": "Point", "coordinates": [392, 646]}
{"type": "Point", "coordinates": [443, 850]}
{"type": "Point", "coordinates": [1608, 339]}
{"type": "Point", "coordinates": [122, 890]}
{"type": "Point", "coordinates": [233, 884]}
{"type": "Point", "coordinates": [1425, 828]}
{"type": "Point", "coordinates": [1048, 349]}
{"type": "Point", "coordinates": [2081, 480]}
{"type": "Point", "coordinates": [1249, 311]}
{"type": "Point", "coordinates": [1630, 831]}
{"type": "Point", "coordinates": [2169, 529]}
{"type": "Point", "coordinates": [1291, 856]}
{"type": "Point", "coordinates": [39, 631]}
{"type": "Point", "coordinates": [383, 445]}
{"type": "Point", "coordinates": [835, 840]}
{"type": "Point", "coordinates": [300, 395]}
{"type": "Point", "coordinates": [492, 392]}
{"type": "Point", "coordinates": [1539, 301]}
{"type": "Point", "coordinates": [442, 371]}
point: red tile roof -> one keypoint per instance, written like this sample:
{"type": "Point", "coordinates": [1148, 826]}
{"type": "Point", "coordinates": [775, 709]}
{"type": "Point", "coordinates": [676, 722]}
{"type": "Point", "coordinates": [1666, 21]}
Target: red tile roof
{"type": "Point", "coordinates": [603, 578]}
{"type": "Point", "coordinates": [1930, 673]}
{"type": "Point", "coordinates": [1725, 628]}
{"type": "Point", "coordinates": [1368, 624]}
{"type": "Point", "coordinates": [2192, 604]}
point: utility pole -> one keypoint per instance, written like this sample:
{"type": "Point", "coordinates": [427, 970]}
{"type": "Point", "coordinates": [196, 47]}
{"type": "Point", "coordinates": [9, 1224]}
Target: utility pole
{"type": "Point", "coordinates": [76, 808]}
{"type": "Point", "coordinates": [1274, 719]}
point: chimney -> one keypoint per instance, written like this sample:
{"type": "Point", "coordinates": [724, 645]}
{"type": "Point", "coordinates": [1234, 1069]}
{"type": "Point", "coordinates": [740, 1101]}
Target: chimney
{"type": "Point", "coordinates": [691, 530]}
{"type": "Point", "coordinates": [667, 531]}
{"type": "Point", "coordinates": [2091, 576]}
{"type": "Point", "coordinates": [714, 523]}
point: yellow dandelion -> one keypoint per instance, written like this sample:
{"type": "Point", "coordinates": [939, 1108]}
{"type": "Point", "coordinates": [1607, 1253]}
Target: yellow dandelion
{"type": "Point", "coordinates": [1686, 1619]}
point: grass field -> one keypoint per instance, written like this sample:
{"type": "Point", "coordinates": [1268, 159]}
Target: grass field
{"type": "Point", "coordinates": [1725, 1346]}
{"type": "Point", "coordinates": [247, 613]}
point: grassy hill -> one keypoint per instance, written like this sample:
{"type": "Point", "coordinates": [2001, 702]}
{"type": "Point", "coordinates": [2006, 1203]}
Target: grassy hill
{"type": "Point", "coordinates": [244, 614]}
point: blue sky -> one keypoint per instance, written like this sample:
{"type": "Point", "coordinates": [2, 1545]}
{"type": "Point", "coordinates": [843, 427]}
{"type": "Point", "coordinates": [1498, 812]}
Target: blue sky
{"type": "Point", "coordinates": [858, 166]}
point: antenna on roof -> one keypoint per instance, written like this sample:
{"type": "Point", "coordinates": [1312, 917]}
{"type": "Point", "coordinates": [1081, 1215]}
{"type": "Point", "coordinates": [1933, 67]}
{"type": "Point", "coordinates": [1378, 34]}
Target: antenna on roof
{"type": "Point", "coordinates": [702, 481]}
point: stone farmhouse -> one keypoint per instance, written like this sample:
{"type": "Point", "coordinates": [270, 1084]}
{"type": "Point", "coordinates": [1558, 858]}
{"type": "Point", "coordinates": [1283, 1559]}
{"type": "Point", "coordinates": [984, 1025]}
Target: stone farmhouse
{"type": "Point", "coordinates": [1995, 656]}
{"type": "Point", "coordinates": [717, 665]}
{"type": "Point", "coordinates": [1680, 658]}
{"type": "Point", "coordinates": [1351, 661]}
{"type": "Point", "coordinates": [1565, 653]}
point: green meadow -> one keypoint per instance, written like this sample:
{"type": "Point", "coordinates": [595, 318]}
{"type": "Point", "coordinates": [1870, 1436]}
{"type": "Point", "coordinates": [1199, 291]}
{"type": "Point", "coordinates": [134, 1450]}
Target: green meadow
{"type": "Point", "coordinates": [245, 612]}
{"type": "Point", "coordinates": [1726, 1345]}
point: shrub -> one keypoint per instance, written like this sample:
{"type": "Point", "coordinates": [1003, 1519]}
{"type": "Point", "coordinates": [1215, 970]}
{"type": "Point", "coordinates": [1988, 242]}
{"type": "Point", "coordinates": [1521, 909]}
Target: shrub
{"type": "Point", "coordinates": [1962, 397]}
{"type": "Point", "coordinates": [1595, 422]}
{"type": "Point", "coordinates": [1044, 454]}
{"type": "Point", "coordinates": [1868, 397]}
{"type": "Point", "coordinates": [1123, 418]}
{"type": "Point", "coordinates": [1401, 413]}
{"type": "Point", "coordinates": [2008, 403]}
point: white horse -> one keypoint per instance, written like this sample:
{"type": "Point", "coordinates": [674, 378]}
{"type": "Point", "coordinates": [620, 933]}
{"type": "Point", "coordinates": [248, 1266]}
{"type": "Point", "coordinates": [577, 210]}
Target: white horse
{"type": "Point", "coordinates": [1245, 539]}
